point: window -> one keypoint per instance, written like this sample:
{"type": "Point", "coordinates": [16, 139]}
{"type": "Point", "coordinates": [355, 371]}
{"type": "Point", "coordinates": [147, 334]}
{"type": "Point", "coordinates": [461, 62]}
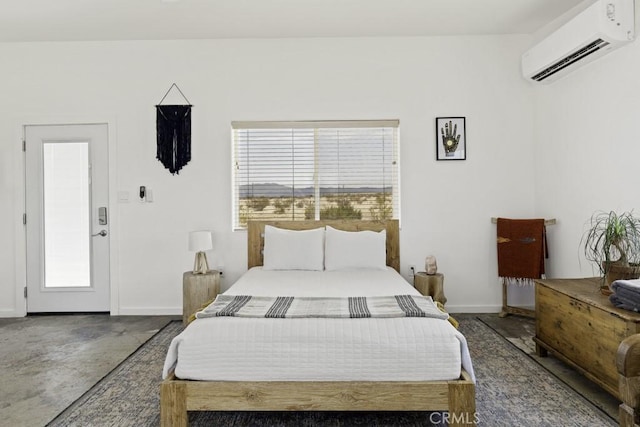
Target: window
{"type": "Point", "coordinates": [315, 170]}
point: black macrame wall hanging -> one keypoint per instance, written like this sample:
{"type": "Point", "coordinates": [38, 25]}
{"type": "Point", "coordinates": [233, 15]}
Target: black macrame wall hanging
{"type": "Point", "coordinates": [173, 125]}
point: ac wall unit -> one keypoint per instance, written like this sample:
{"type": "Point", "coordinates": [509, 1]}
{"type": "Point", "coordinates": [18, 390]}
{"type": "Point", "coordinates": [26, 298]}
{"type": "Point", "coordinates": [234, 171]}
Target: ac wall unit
{"type": "Point", "coordinates": [602, 27]}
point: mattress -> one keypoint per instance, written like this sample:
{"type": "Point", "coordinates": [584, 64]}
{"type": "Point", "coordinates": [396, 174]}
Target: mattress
{"type": "Point", "coordinates": [319, 349]}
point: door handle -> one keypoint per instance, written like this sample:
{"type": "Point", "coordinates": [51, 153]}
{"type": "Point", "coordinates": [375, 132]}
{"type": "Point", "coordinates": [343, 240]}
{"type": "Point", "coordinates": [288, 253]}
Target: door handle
{"type": "Point", "coordinates": [100, 233]}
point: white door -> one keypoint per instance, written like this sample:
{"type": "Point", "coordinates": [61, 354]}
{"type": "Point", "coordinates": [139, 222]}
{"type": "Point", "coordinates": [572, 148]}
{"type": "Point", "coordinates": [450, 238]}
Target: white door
{"type": "Point", "coordinates": [67, 228]}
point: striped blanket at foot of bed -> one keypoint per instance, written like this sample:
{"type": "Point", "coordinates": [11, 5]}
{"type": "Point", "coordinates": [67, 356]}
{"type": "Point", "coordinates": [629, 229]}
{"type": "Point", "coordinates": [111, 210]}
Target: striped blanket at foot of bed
{"type": "Point", "coordinates": [301, 307]}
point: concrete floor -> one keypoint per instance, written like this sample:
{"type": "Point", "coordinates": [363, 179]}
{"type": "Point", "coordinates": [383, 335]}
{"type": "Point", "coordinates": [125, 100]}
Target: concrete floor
{"type": "Point", "coordinates": [50, 361]}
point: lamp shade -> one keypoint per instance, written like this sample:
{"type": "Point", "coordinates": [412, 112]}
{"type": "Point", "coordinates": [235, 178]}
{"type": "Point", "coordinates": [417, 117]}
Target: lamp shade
{"type": "Point", "coordinates": [200, 241]}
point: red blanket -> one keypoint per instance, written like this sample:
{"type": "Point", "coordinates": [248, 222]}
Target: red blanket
{"type": "Point", "coordinates": [521, 248]}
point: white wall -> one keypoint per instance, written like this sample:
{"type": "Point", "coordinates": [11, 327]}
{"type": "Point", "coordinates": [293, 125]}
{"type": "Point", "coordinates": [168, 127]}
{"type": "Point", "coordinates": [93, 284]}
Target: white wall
{"type": "Point", "coordinates": [446, 206]}
{"type": "Point", "coordinates": [587, 151]}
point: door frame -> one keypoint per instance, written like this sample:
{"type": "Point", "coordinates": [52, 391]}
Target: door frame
{"type": "Point", "coordinates": [20, 245]}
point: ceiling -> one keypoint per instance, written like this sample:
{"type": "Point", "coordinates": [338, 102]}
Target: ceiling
{"type": "Point", "coordinates": [80, 20]}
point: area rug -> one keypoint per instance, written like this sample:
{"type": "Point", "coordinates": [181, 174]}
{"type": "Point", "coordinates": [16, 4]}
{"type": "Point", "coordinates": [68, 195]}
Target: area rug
{"type": "Point", "coordinates": [512, 390]}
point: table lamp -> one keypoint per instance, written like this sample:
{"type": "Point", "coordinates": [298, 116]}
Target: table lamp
{"type": "Point", "coordinates": [200, 241]}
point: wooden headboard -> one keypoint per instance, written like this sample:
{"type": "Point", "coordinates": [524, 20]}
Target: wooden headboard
{"type": "Point", "coordinates": [255, 235]}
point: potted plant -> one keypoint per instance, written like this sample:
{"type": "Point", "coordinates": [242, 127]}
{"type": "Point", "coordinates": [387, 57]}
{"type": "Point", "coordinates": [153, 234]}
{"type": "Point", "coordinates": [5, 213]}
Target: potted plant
{"type": "Point", "coordinates": [612, 242]}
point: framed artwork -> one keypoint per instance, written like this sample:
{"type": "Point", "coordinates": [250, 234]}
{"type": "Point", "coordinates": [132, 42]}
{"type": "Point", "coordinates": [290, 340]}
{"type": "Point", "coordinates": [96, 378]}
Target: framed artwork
{"type": "Point", "coordinates": [451, 138]}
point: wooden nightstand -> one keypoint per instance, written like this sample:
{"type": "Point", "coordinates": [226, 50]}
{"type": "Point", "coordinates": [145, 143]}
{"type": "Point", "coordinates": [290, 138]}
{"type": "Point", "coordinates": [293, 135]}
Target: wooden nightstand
{"type": "Point", "coordinates": [197, 289]}
{"type": "Point", "coordinates": [430, 284]}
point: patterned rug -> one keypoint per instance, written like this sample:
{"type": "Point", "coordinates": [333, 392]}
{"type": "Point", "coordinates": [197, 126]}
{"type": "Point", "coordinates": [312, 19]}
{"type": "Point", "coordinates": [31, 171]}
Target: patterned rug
{"type": "Point", "coordinates": [512, 390]}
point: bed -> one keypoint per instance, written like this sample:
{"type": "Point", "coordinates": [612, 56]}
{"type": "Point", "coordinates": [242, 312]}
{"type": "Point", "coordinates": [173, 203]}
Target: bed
{"type": "Point", "coordinates": [248, 388]}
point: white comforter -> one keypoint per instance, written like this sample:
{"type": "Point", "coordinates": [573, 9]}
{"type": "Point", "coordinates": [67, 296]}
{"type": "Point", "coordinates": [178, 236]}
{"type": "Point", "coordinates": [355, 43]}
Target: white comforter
{"type": "Point", "coordinates": [319, 349]}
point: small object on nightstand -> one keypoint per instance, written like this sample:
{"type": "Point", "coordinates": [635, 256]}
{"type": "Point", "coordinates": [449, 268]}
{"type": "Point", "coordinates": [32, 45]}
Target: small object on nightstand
{"type": "Point", "coordinates": [430, 285]}
{"type": "Point", "coordinates": [197, 290]}
{"type": "Point", "coordinates": [430, 265]}
{"type": "Point", "coordinates": [200, 241]}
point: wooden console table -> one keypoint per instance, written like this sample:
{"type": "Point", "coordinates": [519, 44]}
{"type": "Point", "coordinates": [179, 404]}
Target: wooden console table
{"type": "Point", "coordinates": [582, 328]}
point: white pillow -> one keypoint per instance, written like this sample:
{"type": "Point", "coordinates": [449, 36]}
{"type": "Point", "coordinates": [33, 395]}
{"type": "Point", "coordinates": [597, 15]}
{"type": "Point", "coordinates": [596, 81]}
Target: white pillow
{"type": "Point", "coordinates": [293, 250]}
{"type": "Point", "coordinates": [352, 250]}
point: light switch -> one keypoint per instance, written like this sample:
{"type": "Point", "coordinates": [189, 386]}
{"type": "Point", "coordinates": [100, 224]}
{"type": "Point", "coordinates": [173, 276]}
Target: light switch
{"type": "Point", "coordinates": [123, 197]}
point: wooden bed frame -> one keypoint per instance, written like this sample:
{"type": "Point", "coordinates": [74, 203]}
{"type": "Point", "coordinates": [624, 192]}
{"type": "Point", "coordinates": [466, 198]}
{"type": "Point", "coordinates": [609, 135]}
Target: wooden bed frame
{"type": "Point", "coordinates": [628, 364]}
{"type": "Point", "coordinates": [177, 397]}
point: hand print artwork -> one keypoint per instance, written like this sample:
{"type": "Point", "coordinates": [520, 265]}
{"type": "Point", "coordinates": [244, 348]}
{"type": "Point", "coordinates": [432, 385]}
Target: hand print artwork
{"type": "Point", "coordinates": [451, 138]}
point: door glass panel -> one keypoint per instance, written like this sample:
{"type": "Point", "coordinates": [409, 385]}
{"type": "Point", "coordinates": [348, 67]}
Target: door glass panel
{"type": "Point", "coordinates": [66, 214]}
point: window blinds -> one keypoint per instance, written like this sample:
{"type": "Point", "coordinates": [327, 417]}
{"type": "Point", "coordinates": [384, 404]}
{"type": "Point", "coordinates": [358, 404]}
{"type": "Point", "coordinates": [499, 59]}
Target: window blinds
{"type": "Point", "coordinates": [315, 170]}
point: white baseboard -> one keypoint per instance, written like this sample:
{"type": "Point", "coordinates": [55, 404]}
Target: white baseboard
{"type": "Point", "coordinates": [11, 313]}
{"type": "Point", "coordinates": [150, 311]}
{"type": "Point", "coordinates": [177, 311]}
{"type": "Point", "coordinates": [126, 311]}
{"type": "Point", "coordinates": [473, 308]}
